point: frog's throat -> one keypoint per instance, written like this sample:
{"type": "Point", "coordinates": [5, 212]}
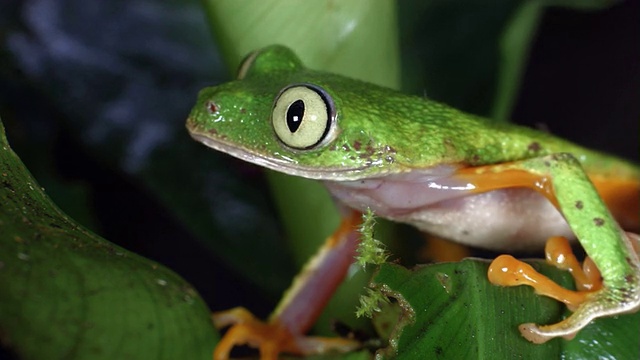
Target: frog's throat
{"type": "Point", "coordinates": [286, 166]}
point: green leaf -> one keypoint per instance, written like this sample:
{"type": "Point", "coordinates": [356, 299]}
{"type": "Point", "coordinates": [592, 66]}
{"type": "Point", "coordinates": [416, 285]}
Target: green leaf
{"type": "Point", "coordinates": [67, 293]}
{"type": "Point", "coordinates": [515, 43]}
{"type": "Point", "coordinates": [451, 311]}
{"type": "Point", "coordinates": [357, 38]}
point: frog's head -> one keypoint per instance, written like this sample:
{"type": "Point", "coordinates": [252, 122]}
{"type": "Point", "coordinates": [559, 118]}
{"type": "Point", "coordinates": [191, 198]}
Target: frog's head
{"type": "Point", "coordinates": [282, 116]}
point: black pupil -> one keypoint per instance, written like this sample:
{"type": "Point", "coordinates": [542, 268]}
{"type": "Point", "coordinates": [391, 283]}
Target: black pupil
{"type": "Point", "coordinates": [295, 112]}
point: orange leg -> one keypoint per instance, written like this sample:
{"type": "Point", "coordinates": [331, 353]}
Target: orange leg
{"type": "Point", "coordinates": [300, 306]}
{"type": "Point", "coordinates": [559, 254]}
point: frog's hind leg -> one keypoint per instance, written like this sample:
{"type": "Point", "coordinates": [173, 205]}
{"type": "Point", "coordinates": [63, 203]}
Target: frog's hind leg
{"type": "Point", "coordinates": [562, 180]}
{"type": "Point", "coordinates": [284, 332]}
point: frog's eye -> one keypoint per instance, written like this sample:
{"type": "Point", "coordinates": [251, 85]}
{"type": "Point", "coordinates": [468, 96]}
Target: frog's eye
{"type": "Point", "coordinates": [304, 116]}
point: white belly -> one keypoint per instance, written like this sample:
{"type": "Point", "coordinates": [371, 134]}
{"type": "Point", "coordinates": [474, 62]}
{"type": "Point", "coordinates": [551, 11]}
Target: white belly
{"type": "Point", "coordinates": [509, 219]}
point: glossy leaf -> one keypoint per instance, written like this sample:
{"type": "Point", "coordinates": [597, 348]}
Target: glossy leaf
{"type": "Point", "coordinates": [451, 311]}
{"type": "Point", "coordinates": [67, 293]}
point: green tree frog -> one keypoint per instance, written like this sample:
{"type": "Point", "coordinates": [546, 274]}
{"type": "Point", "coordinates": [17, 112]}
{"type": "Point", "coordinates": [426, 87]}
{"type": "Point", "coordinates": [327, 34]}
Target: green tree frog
{"type": "Point", "coordinates": [420, 162]}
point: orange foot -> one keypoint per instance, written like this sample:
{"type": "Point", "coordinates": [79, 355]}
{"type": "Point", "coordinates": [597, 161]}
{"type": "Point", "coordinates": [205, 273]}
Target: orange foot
{"type": "Point", "coordinates": [505, 270]}
{"type": "Point", "coordinates": [271, 338]}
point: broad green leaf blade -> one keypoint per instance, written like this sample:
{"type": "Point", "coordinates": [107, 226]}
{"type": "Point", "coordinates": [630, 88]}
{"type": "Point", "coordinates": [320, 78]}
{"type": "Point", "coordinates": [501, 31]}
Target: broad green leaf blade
{"type": "Point", "coordinates": [610, 338]}
{"type": "Point", "coordinates": [357, 38]}
{"type": "Point", "coordinates": [515, 43]}
{"type": "Point", "coordinates": [67, 293]}
{"type": "Point", "coordinates": [455, 313]}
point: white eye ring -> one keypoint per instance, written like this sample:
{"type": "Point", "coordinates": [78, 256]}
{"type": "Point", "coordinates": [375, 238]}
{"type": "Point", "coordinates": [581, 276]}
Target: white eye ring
{"type": "Point", "coordinates": [303, 116]}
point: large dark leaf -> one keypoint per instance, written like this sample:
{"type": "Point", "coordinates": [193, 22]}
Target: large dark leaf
{"type": "Point", "coordinates": [67, 293]}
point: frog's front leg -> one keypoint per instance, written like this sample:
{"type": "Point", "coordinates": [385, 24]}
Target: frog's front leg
{"type": "Point", "coordinates": [299, 308]}
{"type": "Point", "coordinates": [562, 180]}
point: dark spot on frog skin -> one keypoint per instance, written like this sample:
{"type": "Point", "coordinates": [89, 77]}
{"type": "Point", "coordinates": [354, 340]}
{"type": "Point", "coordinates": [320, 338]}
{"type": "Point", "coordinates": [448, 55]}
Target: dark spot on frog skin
{"type": "Point", "coordinates": [333, 147]}
{"type": "Point", "coordinates": [449, 146]}
{"type": "Point", "coordinates": [356, 145]}
{"type": "Point", "coordinates": [213, 131]}
{"type": "Point", "coordinates": [547, 164]}
{"type": "Point", "coordinates": [558, 157]}
{"type": "Point", "coordinates": [243, 111]}
{"type": "Point", "coordinates": [629, 261]}
{"type": "Point", "coordinates": [212, 108]}
{"type": "Point", "coordinates": [534, 146]}
{"type": "Point", "coordinates": [438, 350]}
{"type": "Point", "coordinates": [345, 147]}
{"type": "Point", "coordinates": [579, 205]}
{"type": "Point", "coordinates": [629, 279]}
{"type": "Point", "coordinates": [465, 232]}
{"type": "Point", "coordinates": [369, 149]}
{"type": "Point", "coordinates": [390, 159]}
{"type": "Point", "coordinates": [598, 221]}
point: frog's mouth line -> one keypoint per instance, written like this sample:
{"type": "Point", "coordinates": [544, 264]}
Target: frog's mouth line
{"type": "Point", "coordinates": [283, 166]}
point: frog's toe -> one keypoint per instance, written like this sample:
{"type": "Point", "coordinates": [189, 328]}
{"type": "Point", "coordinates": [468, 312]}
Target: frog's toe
{"type": "Point", "coordinates": [602, 303]}
{"type": "Point", "coordinates": [559, 254]}
{"type": "Point", "coordinates": [270, 338]}
{"type": "Point", "coordinates": [312, 345]}
{"type": "Point", "coordinates": [532, 332]}
{"type": "Point", "coordinates": [233, 316]}
{"type": "Point", "coordinates": [595, 299]}
{"type": "Point", "coordinates": [505, 270]}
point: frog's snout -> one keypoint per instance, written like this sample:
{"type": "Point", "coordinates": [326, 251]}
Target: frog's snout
{"type": "Point", "coordinates": [190, 123]}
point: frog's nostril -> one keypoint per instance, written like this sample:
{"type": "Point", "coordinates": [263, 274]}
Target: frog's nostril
{"type": "Point", "coordinates": [212, 108]}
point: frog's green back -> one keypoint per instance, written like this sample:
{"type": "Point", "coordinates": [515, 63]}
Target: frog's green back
{"type": "Point", "coordinates": [378, 130]}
